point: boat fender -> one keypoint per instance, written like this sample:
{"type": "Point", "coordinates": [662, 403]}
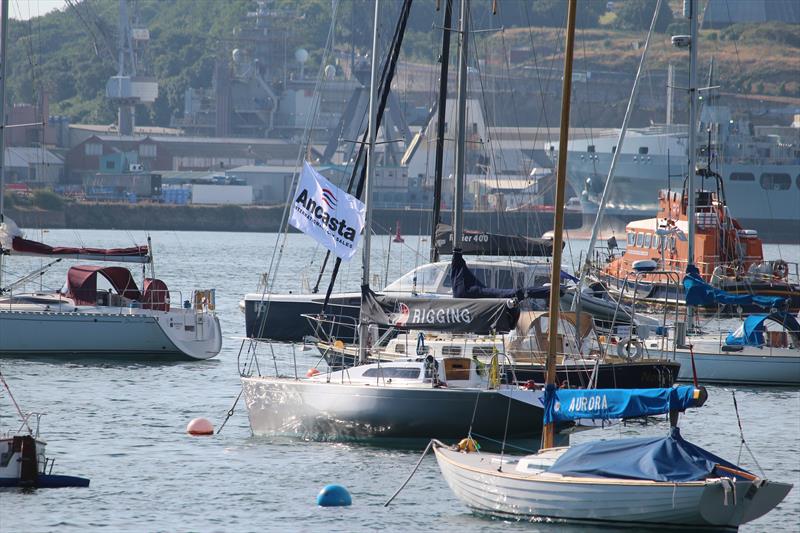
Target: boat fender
{"type": "Point", "coordinates": [780, 269]}
{"type": "Point", "coordinates": [468, 445]}
{"type": "Point", "coordinates": [630, 349]}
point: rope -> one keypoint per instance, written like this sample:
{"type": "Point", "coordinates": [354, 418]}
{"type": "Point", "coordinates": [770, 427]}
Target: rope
{"type": "Point", "coordinates": [230, 411]}
{"type": "Point", "coordinates": [414, 471]}
{"type": "Point", "coordinates": [741, 435]}
{"type": "Point", "coordinates": [694, 369]}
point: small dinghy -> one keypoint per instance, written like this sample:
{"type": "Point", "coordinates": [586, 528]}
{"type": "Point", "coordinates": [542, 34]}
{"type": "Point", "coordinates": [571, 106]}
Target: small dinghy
{"type": "Point", "coordinates": [23, 462]}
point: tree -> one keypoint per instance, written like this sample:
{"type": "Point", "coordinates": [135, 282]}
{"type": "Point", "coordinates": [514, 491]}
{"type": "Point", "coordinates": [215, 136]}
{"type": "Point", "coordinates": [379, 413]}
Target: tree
{"type": "Point", "coordinates": [637, 14]}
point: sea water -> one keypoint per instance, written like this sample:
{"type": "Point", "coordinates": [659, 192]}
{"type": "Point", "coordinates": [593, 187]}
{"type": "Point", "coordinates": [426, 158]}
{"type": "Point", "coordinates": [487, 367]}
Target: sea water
{"type": "Point", "coordinates": [122, 424]}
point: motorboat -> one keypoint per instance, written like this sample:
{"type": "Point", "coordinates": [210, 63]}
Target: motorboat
{"type": "Point", "coordinates": [282, 317]}
{"type": "Point", "coordinates": [727, 256]}
{"type": "Point", "coordinates": [763, 350]}
{"type": "Point", "coordinates": [415, 398]}
{"type": "Point", "coordinates": [23, 462]}
{"type": "Point", "coordinates": [100, 311]}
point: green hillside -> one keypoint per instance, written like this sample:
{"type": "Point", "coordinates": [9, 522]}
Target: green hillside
{"type": "Point", "coordinates": [70, 53]}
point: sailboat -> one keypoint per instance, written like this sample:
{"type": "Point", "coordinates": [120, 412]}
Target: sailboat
{"type": "Point", "coordinates": [84, 321]}
{"type": "Point", "coordinates": [663, 481]}
{"type": "Point", "coordinates": [417, 397]}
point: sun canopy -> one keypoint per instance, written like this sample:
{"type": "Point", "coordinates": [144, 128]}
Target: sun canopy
{"type": "Point", "coordinates": [82, 283]}
{"type": "Point", "coordinates": [698, 292]}
{"type": "Point", "coordinates": [751, 332]}
{"type": "Point", "coordinates": [565, 405]}
{"type": "Point", "coordinates": [670, 459]}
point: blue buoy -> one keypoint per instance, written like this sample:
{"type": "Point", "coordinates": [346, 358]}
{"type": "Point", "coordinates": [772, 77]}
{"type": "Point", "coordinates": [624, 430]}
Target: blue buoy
{"type": "Point", "coordinates": [334, 496]}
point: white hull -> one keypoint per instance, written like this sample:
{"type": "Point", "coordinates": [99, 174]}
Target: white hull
{"type": "Point", "coordinates": [126, 333]}
{"type": "Point", "coordinates": [751, 366]}
{"type": "Point", "coordinates": [476, 481]}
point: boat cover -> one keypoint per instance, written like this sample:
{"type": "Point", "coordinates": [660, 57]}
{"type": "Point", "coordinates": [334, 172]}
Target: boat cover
{"type": "Point", "coordinates": [698, 292]}
{"type": "Point", "coordinates": [670, 459]}
{"type": "Point", "coordinates": [751, 332]}
{"type": "Point", "coordinates": [484, 243]}
{"type": "Point", "coordinates": [82, 283]}
{"type": "Point", "coordinates": [456, 315]}
{"type": "Point", "coordinates": [466, 285]}
{"type": "Point", "coordinates": [565, 405]}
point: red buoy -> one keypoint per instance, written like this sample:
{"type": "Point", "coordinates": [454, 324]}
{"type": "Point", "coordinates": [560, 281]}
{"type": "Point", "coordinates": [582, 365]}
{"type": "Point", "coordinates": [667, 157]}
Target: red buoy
{"type": "Point", "coordinates": [312, 372]}
{"type": "Point", "coordinates": [397, 236]}
{"type": "Point", "coordinates": [200, 426]}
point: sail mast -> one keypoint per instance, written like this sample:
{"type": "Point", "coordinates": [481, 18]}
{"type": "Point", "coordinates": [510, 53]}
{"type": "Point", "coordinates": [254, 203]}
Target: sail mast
{"type": "Point", "coordinates": [558, 237]}
{"type": "Point", "coordinates": [690, 11]}
{"type": "Point", "coordinates": [441, 117]}
{"type": "Point", "coordinates": [461, 139]}
{"type": "Point", "coordinates": [3, 41]}
{"type": "Point", "coordinates": [368, 182]}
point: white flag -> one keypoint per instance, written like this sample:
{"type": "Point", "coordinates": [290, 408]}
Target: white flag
{"type": "Point", "coordinates": [322, 210]}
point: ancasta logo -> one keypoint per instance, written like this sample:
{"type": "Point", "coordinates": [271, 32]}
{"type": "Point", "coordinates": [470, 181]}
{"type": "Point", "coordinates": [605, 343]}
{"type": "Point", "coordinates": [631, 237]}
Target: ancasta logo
{"type": "Point", "coordinates": [319, 216]}
{"type": "Point", "coordinates": [329, 198]}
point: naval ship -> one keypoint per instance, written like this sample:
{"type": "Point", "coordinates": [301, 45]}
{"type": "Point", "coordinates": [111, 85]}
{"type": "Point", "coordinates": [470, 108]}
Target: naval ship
{"type": "Point", "coordinates": [761, 173]}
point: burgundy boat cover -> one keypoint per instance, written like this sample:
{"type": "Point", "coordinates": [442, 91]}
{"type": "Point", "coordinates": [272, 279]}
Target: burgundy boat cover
{"type": "Point", "coordinates": [32, 247]}
{"type": "Point", "coordinates": [155, 295]}
{"type": "Point", "coordinates": [82, 283]}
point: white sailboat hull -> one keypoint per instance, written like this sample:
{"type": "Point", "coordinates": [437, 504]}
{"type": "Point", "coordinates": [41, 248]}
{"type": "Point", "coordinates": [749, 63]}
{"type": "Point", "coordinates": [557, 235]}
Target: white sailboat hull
{"type": "Point", "coordinates": [475, 480]}
{"type": "Point", "coordinates": [128, 333]}
{"type": "Point", "coordinates": [750, 366]}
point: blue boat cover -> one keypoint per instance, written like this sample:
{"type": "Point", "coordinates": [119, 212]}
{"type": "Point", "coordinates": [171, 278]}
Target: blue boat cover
{"type": "Point", "coordinates": [751, 332]}
{"type": "Point", "coordinates": [698, 292]}
{"type": "Point", "coordinates": [565, 405]}
{"type": "Point", "coordinates": [670, 459]}
{"type": "Point", "coordinates": [466, 285]}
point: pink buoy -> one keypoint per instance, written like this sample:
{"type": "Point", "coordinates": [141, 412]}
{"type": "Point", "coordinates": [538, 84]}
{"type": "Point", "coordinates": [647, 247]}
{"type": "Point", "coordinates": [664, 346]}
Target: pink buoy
{"type": "Point", "coordinates": [200, 426]}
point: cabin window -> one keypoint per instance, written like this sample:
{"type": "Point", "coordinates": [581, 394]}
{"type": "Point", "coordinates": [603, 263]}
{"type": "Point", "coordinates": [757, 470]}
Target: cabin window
{"type": "Point", "coordinates": [773, 181]}
{"type": "Point", "coordinates": [643, 150]}
{"type": "Point", "coordinates": [639, 239]}
{"type": "Point", "coordinates": [505, 279]}
{"type": "Point", "coordinates": [110, 165]}
{"type": "Point", "coordinates": [742, 176]}
{"type": "Point", "coordinates": [484, 275]}
{"type": "Point", "coordinates": [482, 351]}
{"type": "Point", "coordinates": [449, 351]}
{"type": "Point", "coordinates": [613, 149]}
{"type": "Point", "coordinates": [590, 149]}
{"type": "Point", "coordinates": [147, 150]}
{"type": "Point", "coordinates": [399, 348]}
{"type": "Point", "coordinates": [657, 242]}
{"type": "Point", "coordinates": [631, 239]}
{"type": "Point", "coordinates": [647, 238]}
{"type": "Point", "coordinates": [387, 372]}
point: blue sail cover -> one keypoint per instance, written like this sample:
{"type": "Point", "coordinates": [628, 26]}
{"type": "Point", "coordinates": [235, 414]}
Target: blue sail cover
{"type": "Point", "coordinates": [698, 292]}
{"type": "Point", "coordinates": [751, 332]}
{"type": "Point", "coordinates": [466, 285]}
{"type": "Point", "coordinates": [565, 405]}
{"type": "Point", "coordinates": [670, 459]}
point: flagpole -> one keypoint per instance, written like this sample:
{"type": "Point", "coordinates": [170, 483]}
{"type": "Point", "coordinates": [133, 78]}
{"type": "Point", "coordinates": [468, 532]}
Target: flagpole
{"type": "Point", "coordinates": [368, 183]}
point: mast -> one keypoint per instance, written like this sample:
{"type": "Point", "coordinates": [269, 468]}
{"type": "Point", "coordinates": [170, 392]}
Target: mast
{"type": "Point", "coordinates": [461, 138]}
{"type": "Point", "coordinates": [558, 237]}
{"type": "Point", "coordinates": [3, 41]}
{"type": "Point", "coordinates": [368, 182]}
{"type": "Point", "coordinates": [690, 11]}
{"type": "Point", "coordinates": [441, 117]}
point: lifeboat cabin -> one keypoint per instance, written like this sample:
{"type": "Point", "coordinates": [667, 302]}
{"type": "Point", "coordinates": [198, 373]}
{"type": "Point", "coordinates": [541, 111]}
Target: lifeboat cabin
{"type": "Point", "coordinates": [722, 246]}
